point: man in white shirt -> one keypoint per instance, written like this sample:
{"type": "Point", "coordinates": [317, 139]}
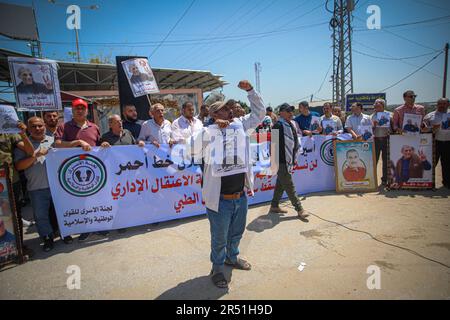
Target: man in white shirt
{"type": "Point", "coordinates": [356, 120]}
{"type": "Point", "coordinates": [187, 125]}
{"type": "Point", "coordinates": [434, 121]}
{"type": "Point", "coordinates": [158, 130]}
{"type": "Point", "coordinates": [329, 116]}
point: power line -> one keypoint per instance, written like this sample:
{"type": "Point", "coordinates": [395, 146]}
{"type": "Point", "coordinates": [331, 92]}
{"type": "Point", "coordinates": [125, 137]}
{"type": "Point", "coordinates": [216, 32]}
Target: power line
{"type": "Point", "coordinates": [245, 46]}
{"type": "Point", "coordinates": [401, 37]}
{"type": "Point", "coordinates": [173, 28]}
{"type": "Point", "coordinates": [412, 73]}
{"type": "Point", "coordinates": [402, 61]}
{"type": "Point", "coordinates": [395, 59]}
{"type": "Point", "coordinates": [405, 24]}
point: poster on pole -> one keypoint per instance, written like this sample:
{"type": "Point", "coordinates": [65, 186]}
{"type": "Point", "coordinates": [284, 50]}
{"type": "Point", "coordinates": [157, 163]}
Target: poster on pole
{"type": "Point", "coordinates": [35, 83]}
{"type": "Point", "coordinates": [8, 119]}
{"type": "Point", "coordinates": [354, 163]}
{"type": "Point", "coordinates": [410, 162]}
{"type": "Point", "coordinates": [140, 77]}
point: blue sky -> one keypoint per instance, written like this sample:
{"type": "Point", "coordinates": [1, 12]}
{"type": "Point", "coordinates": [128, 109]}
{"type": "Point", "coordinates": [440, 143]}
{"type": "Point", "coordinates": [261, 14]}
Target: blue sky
{"type": "Point", "coordinates": [295, 56]}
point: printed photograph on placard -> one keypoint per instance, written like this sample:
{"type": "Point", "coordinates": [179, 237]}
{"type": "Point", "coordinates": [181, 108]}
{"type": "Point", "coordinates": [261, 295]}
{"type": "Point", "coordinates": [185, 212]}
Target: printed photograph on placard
{"type": "Point", "coordinates": [383, 119]}
{"type": "Point", "coordinates": [411, 123]}
{"type": "Point", "coordinates": [355, 166]}
{"type": "Point", "coordinates": [140, 77]}
{"type": "Point", "coordinates": [410, 161]}
{"type": "Point", "coordinates": [329, 126]}
{"type": "Point", "coordinates": [315, 124]}
{"type": "Point", "coordinates": [8, 245]}
{"type": "Point", "coordinates": [366, 133]}
{"type": "Point", "coordinates": [445, 122]}
{"type": "Point", "coordinates": [8, 119]}
{"type": "Point", "coordinates": [36, 84]}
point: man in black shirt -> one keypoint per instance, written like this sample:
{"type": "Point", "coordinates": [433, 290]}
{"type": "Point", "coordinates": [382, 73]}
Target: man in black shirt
{"type": "Point", "coordinates": [287, 147]}
{"type": "Point", "coordinates": [130, 120]}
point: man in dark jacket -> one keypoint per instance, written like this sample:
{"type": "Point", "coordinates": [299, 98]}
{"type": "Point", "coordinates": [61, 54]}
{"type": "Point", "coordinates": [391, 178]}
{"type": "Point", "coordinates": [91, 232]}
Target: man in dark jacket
{"type": "Point", "coordinates": [286, 146]}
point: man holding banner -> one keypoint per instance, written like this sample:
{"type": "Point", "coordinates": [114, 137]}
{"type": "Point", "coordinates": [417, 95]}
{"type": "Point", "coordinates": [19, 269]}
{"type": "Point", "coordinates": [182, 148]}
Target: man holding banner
{"type": "Point", "coordinates": [408, 108]}
{"type": "Point", "coordinates": [224, 183]}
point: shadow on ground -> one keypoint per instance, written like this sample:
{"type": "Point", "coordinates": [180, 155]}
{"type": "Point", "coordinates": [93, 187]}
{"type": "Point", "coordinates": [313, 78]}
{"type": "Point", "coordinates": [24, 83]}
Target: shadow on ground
{"type": "Point", "coordinates": [200, 288]}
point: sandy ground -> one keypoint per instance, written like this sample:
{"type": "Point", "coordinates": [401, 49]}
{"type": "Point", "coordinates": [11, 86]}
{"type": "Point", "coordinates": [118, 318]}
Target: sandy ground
{"type": "Point", "coordinates": [171, 260]}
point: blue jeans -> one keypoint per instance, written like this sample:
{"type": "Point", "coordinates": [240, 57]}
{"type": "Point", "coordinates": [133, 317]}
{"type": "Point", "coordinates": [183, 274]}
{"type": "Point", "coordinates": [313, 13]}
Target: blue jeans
{"type": "Point", "coordinates": [40, 201]}
{"type": "Point", "coordinates": [227, 227]}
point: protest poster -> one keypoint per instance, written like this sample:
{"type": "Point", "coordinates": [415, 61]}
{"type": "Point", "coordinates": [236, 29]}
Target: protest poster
{"type": "Point", "coordinates": [354, 163]}
{"type": "Point", "coordinates": [412, 123]}
{"type": "Point", "coordinates": [140, 77]}
{"type": "Point", "coordinates": [445, 122]}
{"type": "Point", "coordinates": [126, 186]}
{"type": "Point", "coordinates": [329, 126]}
{"type": "Point", "coordinates": [36, 84]}
{"type": "Point", "coordinates": [10, 247]}
{"type": "Point", "coordinates": [383, 119]}
{"type": "Point", "coordinates": [8, 119]}
{"type": "Point", "coordinates": [67, 114]}
{"type": "Point", "coordinates": [414, 152]}
{"type": "Point", "coordinates": [366, 133]}
{"type": "Point", "coordinates": [315, 124]}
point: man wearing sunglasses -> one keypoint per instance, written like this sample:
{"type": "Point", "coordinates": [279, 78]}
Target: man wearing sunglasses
{"type": "Point", "coordinates": [408, 108]}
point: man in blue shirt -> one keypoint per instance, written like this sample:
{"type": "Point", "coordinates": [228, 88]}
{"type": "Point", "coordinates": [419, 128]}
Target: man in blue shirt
{"type": "Point", "coordinates": [304, 119]}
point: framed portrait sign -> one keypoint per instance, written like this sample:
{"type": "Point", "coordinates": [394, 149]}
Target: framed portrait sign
{"type": "Point", "coordinates": [10, 246]}
{"type": "Point", "coordinates": [140, 77]}
{"type": "Point", "coordinates": [36, 84]}
{"type": "Point", "coordinates": [410, 163]}
{"type": "Point", "coordinates": [355, 168]}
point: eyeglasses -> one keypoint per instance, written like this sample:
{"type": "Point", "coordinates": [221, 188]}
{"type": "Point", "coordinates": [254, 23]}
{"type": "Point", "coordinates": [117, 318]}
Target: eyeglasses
{"type": "Point", "coordinates": [413, 96]}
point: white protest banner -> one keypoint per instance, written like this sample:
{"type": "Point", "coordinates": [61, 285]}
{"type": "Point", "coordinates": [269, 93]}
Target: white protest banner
{"type": "Point", "coordinates": [140, 77]}
{"type": "Point", "coordinates": [366, 133]}
{"type": "Point", "coordinates": [36, 84]}
{"type": "Point", "coordinates": [8, 119]}
{"type": "Point", "coordinates": [126, 186]}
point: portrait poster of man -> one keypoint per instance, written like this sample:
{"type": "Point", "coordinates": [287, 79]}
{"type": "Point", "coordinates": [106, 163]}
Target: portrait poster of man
{"type": "Point", "coordinates": [140, 77]}
{"type": "Point", "coordinates": [8, 119]}
{"type": "Point", "coordinates": [383, 119]}
{"type": "Point", "coordinates": [410, 161]}
{"type": "Point", "coordinates": [9, 252]}
{"type": "Point", "coordinates": [354, 163]}
{"type": "Point", "coordinates": [36, 84]}
{"type": "Point", "coordinates": [228, 152]}
{"type": "Point", "coordinates": [315, 124]}
{"type": "Point", "coordinates": [366, 132]}
{"type": "Point", "coordinates": [329, 126]}
{"type": "Point", "coordinates": [445, 122]}
{"type": "Point", "coordinates": [411, 123]}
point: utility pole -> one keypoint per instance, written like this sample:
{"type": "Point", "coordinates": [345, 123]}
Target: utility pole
{"type": "Point", "coordinates": [78, 46]}
{"type": "Point", "coordinates": [342, 50]}
{"type": "Point", "coordinates": [444, 87]}
{"type": "Point", "coordinates": [258, 76]}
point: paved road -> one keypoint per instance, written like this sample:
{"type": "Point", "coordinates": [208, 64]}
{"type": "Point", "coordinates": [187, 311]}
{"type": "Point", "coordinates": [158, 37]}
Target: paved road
{"type": "Point", "coordinates": [171, 260]}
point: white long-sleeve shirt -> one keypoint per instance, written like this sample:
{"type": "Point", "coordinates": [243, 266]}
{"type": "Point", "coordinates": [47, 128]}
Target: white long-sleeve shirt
{"type": "Point", "coordinates": [182, 128]}
{"type": "Point", "coordinates": [151, 131]}
{"type": "Point", "coordinates": [212, 184]}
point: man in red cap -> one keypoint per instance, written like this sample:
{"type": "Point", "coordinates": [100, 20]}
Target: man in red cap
{"type": "Point", "coordinates": [79, 132]}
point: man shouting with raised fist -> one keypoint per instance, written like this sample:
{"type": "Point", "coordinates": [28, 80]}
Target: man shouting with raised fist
{"type": "Point", "coordinates": [227, 177]}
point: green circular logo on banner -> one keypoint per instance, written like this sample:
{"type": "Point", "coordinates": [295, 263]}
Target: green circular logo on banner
{"type": "Point", "coordinates": [82, 175]}
{"type": "Point", "coordinates": [326, 152]}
